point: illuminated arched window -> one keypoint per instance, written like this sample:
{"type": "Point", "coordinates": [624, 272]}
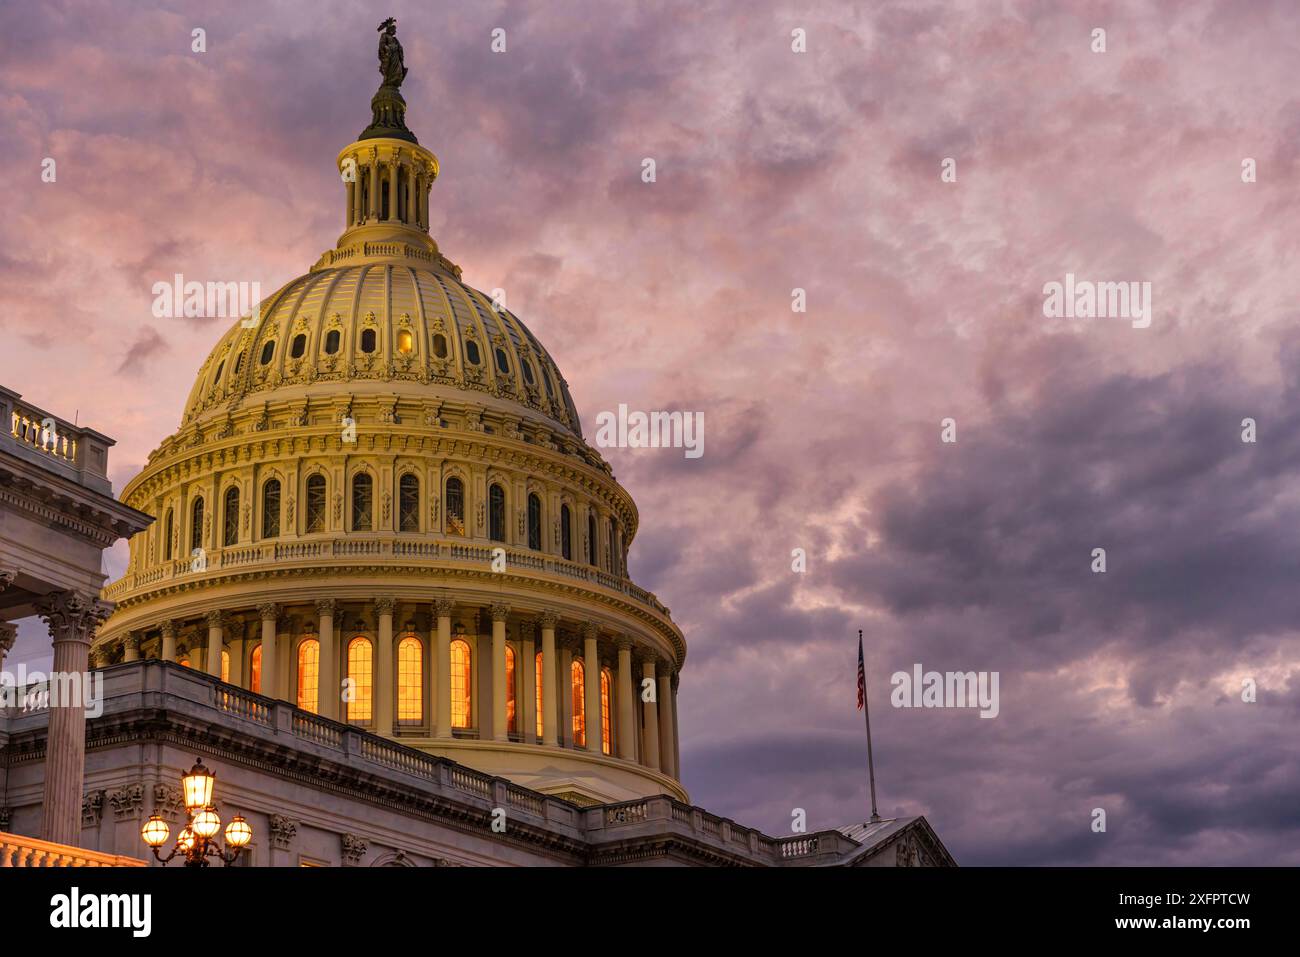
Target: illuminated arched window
{"type": "Point", "coordinates": [360, 670]}
{"type": "Point", "coordinates": [579, 683]}
{"type": "Point", "coordinates": [230, 520]}
{"type": "Point", "coordinates": [405, 342]}
{"type": "Point", "coordinates": [461, 675]}
{"type": "Point", "coordinates": [537, 667]}
{"type": "Point", "coordinates": [316, 503]}
{"type": "Point", "coordinates": [225, 666]}
{"type": "Point", "coordinates": [255, 669]}
{"type": "Point", "coordinates": [196, 525]}
{"type": "Point", "coordinates": [271, 509]}
{"type": "Point", "coordinates": [167, 533]}
{"type": "Point", "coordinates": [455, 506]}
{"type": "Point", "coordinates": [606, 708]}
{"type": "Point", "coordinates": [566, 533]}
{"type": "Point", "coordinates": [512, 722]}
{"type": "Point", "coordinates": [362, 502]}
{"type": "Point", "coordinates": [308, 675]}
{"type": "Point", "coordinates": [408, 503]}
{"type": "Point", "coordinates": [497, 513]}
{"type": "Point", "coordinates": [410, 681]}
{"type": "Point", "coordinates": [534, 522]}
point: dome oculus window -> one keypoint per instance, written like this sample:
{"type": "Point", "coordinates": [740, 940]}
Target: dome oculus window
{"type": "Point", "coordinates": [268, 352]}
{"type": "Point", "coordinates": [332, 342]}
{"type": "Point", "coordinates": [471, 352]}
{"type": "Point", "coordinates": [299, 346]}
{"type": "Point", "coordinates": [405, 342]}
{"type": "Point", "coordinates": [503, 364]}
{"type": "Point", "coordinates": [528, 371]}
{"type": "Point", "coordinates": [368, 341]}
{"type": "Point", "coordinates": [440, 346]}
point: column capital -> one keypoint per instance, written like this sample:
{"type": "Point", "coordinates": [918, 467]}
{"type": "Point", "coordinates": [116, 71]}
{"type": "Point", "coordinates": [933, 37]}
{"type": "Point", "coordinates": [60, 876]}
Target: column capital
{"type": "Point", "coordinates": [8, 632]}
{"type": "Point", "coordinates": [72, 616]}
{"type": "Point", "coordinates": [667, 667]}
{"type": "Point", "coordinates": [646, 656]}
{"type": "Point", "coordinates": [623, 642]}
{"type": "Point", "coordinates": [527, 629]}
{"type": "Point", "coordinates": [6, 578]}
{"type": "Point", "coordinates": [443, 607]}
{"type": "Point", "coordinates": [548, 619]}
{"type": "Point", "coordinates": [589, 631]}
{"type": "Point", "coordinates": [385, 606]}
{"type": "Point", "coordinates": [216, 618]}
{"type": "Point", "coordinates": [569, 641]}
{"type": "Point", "coordinates": [132, 640]}
{"type": "Point", "coordinates": [268, 611]}
{"type": "Point", "coordinates": [168, 627]}
{"type": "Point", "coordinates": [326, 606]}
{"type": "Point", "coordinates": [500, 611]}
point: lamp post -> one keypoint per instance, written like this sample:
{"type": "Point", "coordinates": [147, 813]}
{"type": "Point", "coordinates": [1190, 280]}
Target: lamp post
{"type": "Point", "coordinates": [197, 842]}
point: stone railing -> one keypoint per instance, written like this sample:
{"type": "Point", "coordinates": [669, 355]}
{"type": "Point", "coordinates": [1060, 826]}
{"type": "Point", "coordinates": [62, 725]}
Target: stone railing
{"type": "Point", "coordinates": [392, 548]}
{"type": "Point", "coordinates": [54, 443]}
{"type": "Point", "coordinates": [17, 851]}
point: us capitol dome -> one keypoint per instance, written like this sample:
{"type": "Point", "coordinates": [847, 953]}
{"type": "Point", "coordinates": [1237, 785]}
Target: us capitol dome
{"type": "Point", "coordinates": [380, 507]}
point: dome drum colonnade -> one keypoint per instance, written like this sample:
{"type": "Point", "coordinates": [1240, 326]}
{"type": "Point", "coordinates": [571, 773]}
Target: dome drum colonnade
{"type": "Point", "coordinates": [371, 443]}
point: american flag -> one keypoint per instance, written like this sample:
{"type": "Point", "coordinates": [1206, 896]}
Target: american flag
{"type": "Point", "coordinates": [862, 675]}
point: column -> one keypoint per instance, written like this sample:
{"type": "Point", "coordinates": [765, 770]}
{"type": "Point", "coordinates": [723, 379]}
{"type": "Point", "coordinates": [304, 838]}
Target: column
{"type": "Point", "coordinates": [384, 667]}
{"type": "Point", "coordinates": [591, 675]}
{"type": "Point", "coordinates": [528, 656]}
{"type": "Point", "coordinates": [650, 716]}
{"type": "Point", "coordinates": [677, 736]}
{"type": "Point", "coordinates": [357, 212]}
{"type": "Point", "coordinates": [425, 183]}
{"type": "Point", "coordinates": [352, 201]}
{"type": "Point", "coordinates": [168, 652]}
{"type": "Point", "coordinates": [410, 195]}
{"type": "Point", "coordinates": [72, 619]}
{"type": "Point", "coordinates": [393, 214]}
{"type": "Point", "coordinates": [330, 689]}
{"type": "Point", "coordinates": [216, 623]}
{"type": "Point", "coordinates": [8, 634]}
{"type": "Point", "coordinates": [626, 714]}
{"type": "Point", "coordinates": [442, 609]}
{"type": "Point", "coordinates": [131, 646]}
{"type": "Point", "coordinates": [270, 614]}
{"type": "Point", "coordinates": [550, 698]}
{"type": "Point", "coordinates": [500, 612]}
{"type": "Point", "coordinates": [373, 214]}
{"type": "Point", "coordinates": [666, 733]}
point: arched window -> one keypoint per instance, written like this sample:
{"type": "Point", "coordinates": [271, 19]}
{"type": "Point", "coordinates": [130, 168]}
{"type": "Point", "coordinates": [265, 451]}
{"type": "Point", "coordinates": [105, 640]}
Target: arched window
{"type": "Point", "coordinates": [367, 341]}
{"type": "Point", "coordinates": [268, 353]}
{"type": "Point", "coordinates": [405, 342]}
{"type": "Point", "coordinates": [362, 502]}
{"type": "Point", "coordinates": [512, 705]}
{"type": "Point", "coordinates": [360, 670]}
{"type": "Point", "coordinates": [255, 671]}
{"type": "Point", "coordinates": [606, 708]}
{"type": "Point", "coordinates": [316, 503]}
{"type": "Point", "coordinates": [196, 525]}
{"type": "Point", "coordinates": [225, 666]}
{"type": "Point", "coordinates": [299, 346]}
{"type": "Point", "coordinates": [440, 345]}
{"type": "Point", "coordinates": [497, 513]}
{"type": "Point", "coordinates": [503, 363]}
{"type": "Point", "coordinates": [592, 545]}
{"type": "Point", "coordinates": [566, 533]}
{"type": "Point", "coordinates": [230, 535]}
{"type": "Point", "coordinates": [167, 533]}
{"type": "Point", "coordinates": [471, 352]}
{"type": "Point", "coordinates": [410, 681]}
{"type": "Point", "coordinates": [537, 682]}
{"type": "Point", "coordinates": [271, 509]}
{"type": "Point", "coordinates": [528, 371]}
{"type": "Point", "coordinates": [534, 522]}
{"type": "Point", "coordinates": [408, 503]}
{"type": "Point", "coordinates": [455, 506]}
{"type": "Point", "coordinates": [579, 690]}
{"type": "Point", "coordinates": [461, 676]}
{"type": "Point", "coordinates": [308, 675]}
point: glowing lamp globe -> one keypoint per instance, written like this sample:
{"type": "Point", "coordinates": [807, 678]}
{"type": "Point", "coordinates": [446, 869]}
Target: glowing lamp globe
{"type": "Point", "coordinates": [238, 832]}
{"type": "Point", "coordinates": [206, 824]}
{"type": "Point", "coordinates": [155, 831]}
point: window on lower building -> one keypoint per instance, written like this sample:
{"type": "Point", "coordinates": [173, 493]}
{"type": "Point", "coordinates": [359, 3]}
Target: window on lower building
{"type": "Point", "coordinates": [410, 681]}
{"type": "Point", "coordinates": [360, 671]}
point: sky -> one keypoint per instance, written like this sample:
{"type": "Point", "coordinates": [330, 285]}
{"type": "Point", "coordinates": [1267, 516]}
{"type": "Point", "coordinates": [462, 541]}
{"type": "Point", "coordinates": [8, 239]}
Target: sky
{"type": "Point", "coordinates": [776, 171]}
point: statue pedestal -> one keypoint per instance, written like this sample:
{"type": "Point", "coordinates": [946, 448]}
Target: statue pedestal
{"type": "Point", "coordinates": [388, 117]}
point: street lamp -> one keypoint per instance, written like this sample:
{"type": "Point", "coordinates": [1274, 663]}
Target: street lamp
{"type": "Point", "coordinates": [197, 842]}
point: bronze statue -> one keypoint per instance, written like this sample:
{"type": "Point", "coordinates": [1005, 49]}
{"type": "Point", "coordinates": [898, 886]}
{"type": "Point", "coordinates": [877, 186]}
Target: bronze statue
{"type": "Point", "coordinates": [391, 64]}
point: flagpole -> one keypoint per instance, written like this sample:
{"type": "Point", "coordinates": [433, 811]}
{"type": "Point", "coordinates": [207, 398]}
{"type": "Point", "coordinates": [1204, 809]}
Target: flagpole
{"type": "Point", "coordinates": [871, 763]}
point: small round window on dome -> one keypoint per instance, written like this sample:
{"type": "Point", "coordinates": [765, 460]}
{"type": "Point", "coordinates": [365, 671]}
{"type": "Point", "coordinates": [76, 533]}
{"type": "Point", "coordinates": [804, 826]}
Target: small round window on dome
{"type": "Point", "coordinates": [332, 342]}
{"type": "Point", "coordinates": [471, 352]}
{"type": "Point", "coordinates": [405, 342]}
{"type": "Point", "coordinates": [268, 352]}
{"type": "Point", "coordinates": [440, 346]}
{"type": "Point", "coordinates": [299, 346]}
{"type": "Point", "coordinates": [368, 340]}
{"type": "Point", "coordinates": [503, 364]}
